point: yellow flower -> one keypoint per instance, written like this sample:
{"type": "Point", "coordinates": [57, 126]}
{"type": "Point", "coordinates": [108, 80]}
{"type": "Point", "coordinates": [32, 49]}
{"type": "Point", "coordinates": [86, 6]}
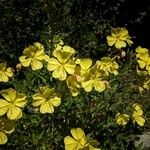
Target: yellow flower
{"type": "Point", "coordinates": [146, 84]}
{"type": "Point", "coordinates": [137, 115]}
{"type": "Point", "coordinates": [12, 103]}
{"type": "Point", "coordinates": [119, 37]}
{"type": "Point", "coordinates": [5, 72]}
{"type": "Point", "coordinates": [85, 64]}
{"type": "Point", "coordinates": [46, 99]}
{"type": "Point", "coordinates": [108, 65]}
{"type": "Point", "coordinates": [93, 79]}
{"type": "Point", "coordinates": [34, 55]}
{"type": "Point", "coordinates": [142, 53]}
{"type": "Point", "coordinates": [143, 58]}
{"type": "Point", "coordinates": [62, 63]}
{"type": "Point", "coordinates": [6, 127]}
{"type": "Point", "coordinates": [73, 85]}
{"type": "Point", "coordinates": [122, 119]}
{"type": "Point", "coordinates": [78, 141]}
{"type": "Point", "coordinates": [74, 81]}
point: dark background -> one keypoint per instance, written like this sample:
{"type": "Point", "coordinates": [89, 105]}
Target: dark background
{"type": "Point", "coordinates": [85, 24]}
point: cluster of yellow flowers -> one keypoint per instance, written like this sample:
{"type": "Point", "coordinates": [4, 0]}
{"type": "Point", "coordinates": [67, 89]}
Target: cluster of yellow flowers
{"type": "Point", "coordinates": [11, 105]}
{"type": "Point", "coordinates": [79, 141]}
{"type": "Point", "coordinates": [78, 73]}
{"type": "Point", "coordinates": [136, 116]}
{"type": "Point", "coordinates": [143, 60]}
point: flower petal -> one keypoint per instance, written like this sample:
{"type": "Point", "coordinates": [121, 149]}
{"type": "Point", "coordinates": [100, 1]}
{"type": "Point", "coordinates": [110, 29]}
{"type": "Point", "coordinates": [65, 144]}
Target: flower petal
{"type": "Point", "coordinates": [4, 105]}
{"type": "Point", "coordinates": [46, 107]}
{"type": "Point", "coordinates": [36, 64]}
{"type": "Point", "coordinates": [87, 85]}
{"type": "Point", "coordinates": [3, 138]}
{"type": "Point", "coordinates": [20, 100]}
{"type": "Point", "coordinates": [70, 143]}
{"type": "Point", "coordinates": [25, 61]}
{"type": "Point", "coordinates": [8, 94]}
{"type": "Point", "coordinates": [14, 112]}
{"type": "Point", "coordinates": [79, 135]}
{"type": "Point", "coordinates": [60, 73]}
{"type": "Point", "coordinates": [56, 101]}
{"type": "Point", "coordinates": [38, 100]}
{"type": "Point", "coordinates": [53, 64]}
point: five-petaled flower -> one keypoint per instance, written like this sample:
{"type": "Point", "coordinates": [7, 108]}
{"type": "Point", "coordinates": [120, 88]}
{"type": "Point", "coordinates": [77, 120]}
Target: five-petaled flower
{"type": "Point", "coordinates": [46, 99]}
{"type": "Point", "coordinates": [79, 141]}
{"type": "Point", "coordinates": [34, 56]}
{"type": "Point", "coordinates": [63, 62]}
{"type": "Point", "coordinates": [119, 37]}
{"type": "Point", "coordinates": [12, 103]}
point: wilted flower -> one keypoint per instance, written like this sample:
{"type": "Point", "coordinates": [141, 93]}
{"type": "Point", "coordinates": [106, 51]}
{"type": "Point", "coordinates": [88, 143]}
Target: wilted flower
{"type": "Point", "coordinates": [6, 127]}
{"type": "Point", "coordinates": [108, 65]}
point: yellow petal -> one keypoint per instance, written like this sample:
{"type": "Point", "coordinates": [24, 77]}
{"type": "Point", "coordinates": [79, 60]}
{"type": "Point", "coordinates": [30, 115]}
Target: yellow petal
{"type": "Point", "coordinates": [70, 67]}
{"type": "Point", "coordinates": [3, 77]}
{"type": "Point", "coordinates": [85, 63]}
{"type": "Point", "coordinates": [140, 120]}
{"type": "Point", "coordinates": [141, 63]}
{"type": "Point", "coordinates": [9, 72]}
{"type": "Point", "coordinates": [4, 105]}
{"type": "Point", "coordinates": [56, 101]}
{"type": "Point", "coordinates": [25, 61]}
{"type": "Point", "coordinates": [141, 50]}
{"type": "Point", "coordinates": [111, 40]}
{"type": "Point", "coordinates": [36, 64]}
{"type": "Point", "coordinates": [60, 73]}
{"type": "Point", "coordinates": [20, 100]}
{"type": "Point", "coordinates": [40, 57]}
{"type": "Point", "coordinates": [99, 85]}
{"type": "Point", "coordinates": [3, 138]}
{"type": "Point", "coordinates": [53, 64]}
{"type": "Point", "coordinates": [120, 44]}
{"type": "Point", "coordinates": [37, 100]}
{"type": "Point", "coordinates": [88, 85]}
{"type": "Point", "coordinates": [46, 58]}
{"type": "Point", "coordinates": [14, 112]}
{"type": "Point", "coordinates": [46, 107]}
{"type": "Point", "coordinates": [8, 94]}
{"type": "Point", "coordinates": [68, 49]}
{"type": "Point", "coordinates": [79, 135]}
{"type": "Point", "coordinates": [70, 143]}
